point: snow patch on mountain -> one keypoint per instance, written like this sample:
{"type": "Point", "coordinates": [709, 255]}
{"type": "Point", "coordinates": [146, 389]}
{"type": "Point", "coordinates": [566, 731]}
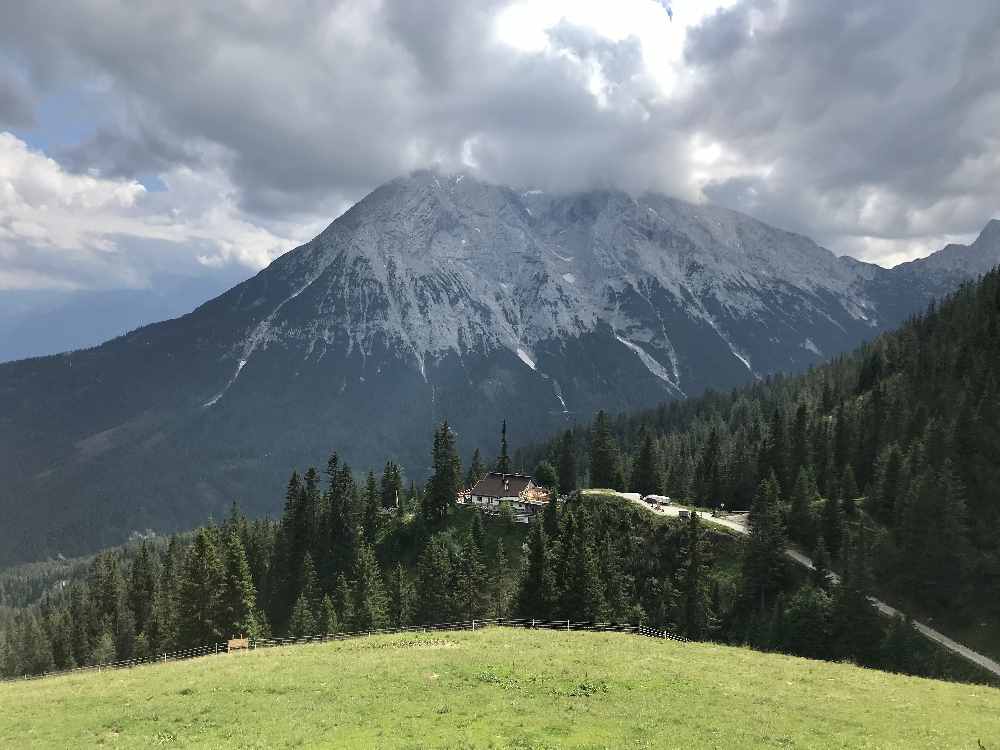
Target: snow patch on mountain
{"type": "Point", "coordinates": [526, 358]}
{"type": "Point", "coordinates": [651, 364]}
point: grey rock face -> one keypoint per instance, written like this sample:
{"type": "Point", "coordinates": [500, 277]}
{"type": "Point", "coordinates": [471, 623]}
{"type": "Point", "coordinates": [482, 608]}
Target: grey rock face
{"type": "Point", "coordinates": [437, 296]}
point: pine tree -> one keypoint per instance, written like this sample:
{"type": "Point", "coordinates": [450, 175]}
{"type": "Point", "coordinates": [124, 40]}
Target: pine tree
{"type": "Point", "coordinates": [503, 463]}
{"type": "Point", "coordinates": [392, 485]}
{"type": "Point", "coordinates": [764, 560]}
{"type": "Point", "coordinates": [239, 599]}
{"type": "Point", "coordinates": [435, 576]}
{"type": "Point", "coordinates": [470, 579]}
{"type": "Point", "coordinates": [581, 595]}
{"type": "Point", "coordinates": [371, 605]}
{"type": "Point", "coordinates": [801, 519]}
{"type": "Point", "coordinates": [343, 601]}
{"type": "Point", "coordinates": [329, 623]}
{"type": "Point", "coordinates": [444, 486]}
{"type": "Point", "coordinates": [605, 461]}
{"type": "Point", "coordinates": [856, 630]}
{"type": "Point", "coordinates": [141, 590]}
{"type": "Point", "coordinates": [696, 614]}
{"type": "Point", "coordinates": [478, 531]}
{"type": "Point", "coordinates": [201, 620]}
{"type": "Point", "coordinates": [537, 593]}
{"type": "Point", "coordinates": [647, 476]}
{"type": "Point", "coordinates": [567, 464]}
{"type": "Point", "coordinates": [372, 505]}
{"type": "Point", "coordinates": [302, 622]}
{"type": "Point", "coordinates": [402, 598]}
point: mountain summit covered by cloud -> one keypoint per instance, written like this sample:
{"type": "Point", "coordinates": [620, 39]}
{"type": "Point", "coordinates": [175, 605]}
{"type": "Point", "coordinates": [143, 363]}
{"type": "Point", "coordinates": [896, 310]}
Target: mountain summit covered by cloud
{"type": "Point", "coordinates": [195, 136]}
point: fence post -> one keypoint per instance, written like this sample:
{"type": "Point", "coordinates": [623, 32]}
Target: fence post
{"type": "Point", "coordinates": [473, 625]}
{"type": "Point", "coordinates": [567, 626]}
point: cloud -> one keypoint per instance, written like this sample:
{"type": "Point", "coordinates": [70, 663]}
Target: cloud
{"type": "Point", "coordinates": [871, 127]}
{"type": "Point", "coordinates": [879, 122]}
{"type": "Point", "coordinates": [59, 229]}
{"type": "Point", "coordinates": [16, 105]}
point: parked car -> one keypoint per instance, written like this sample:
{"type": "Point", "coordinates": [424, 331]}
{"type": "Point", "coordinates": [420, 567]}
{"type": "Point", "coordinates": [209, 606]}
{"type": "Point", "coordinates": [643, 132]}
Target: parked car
{"type": "Point", "coordinates": [657, 499]}
{"type": "Point", "coordinates": [683, 513]}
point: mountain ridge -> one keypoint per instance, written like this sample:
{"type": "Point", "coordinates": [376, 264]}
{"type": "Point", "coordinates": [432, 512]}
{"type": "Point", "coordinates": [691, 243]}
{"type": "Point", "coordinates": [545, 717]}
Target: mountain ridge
{"type": "Point", "coordinates": [433, 297]}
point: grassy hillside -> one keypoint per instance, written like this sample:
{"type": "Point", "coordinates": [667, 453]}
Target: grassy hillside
{"type": "Point", "coordinates": [499, 688]}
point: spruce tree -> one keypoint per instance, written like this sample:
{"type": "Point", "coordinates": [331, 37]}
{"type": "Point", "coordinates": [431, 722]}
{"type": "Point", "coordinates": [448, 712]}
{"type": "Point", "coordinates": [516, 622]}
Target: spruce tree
{"type": "Point", "coordinates": [693, 584]}
{"type": "Point", "coordinates": [392, 485]}
{"type": "Point", "coordinates": [329, 623]}
{"type": "Point", "coordinates": [478, 531]}
{"type": "Point", "coordinates": [371, 605]}
{"type": "Point", "coordinates": [201, 620]}
{"type": "Point", "coordinates": [647, 477]}
{"type": "Point", "coordinates": [537, 594]}
{"type": "Point", "coordinates": [343, 601]}
{"type": "Point", "coordinates": [801, 519]}
{"type": "Point", "coordinates": [302, 621]}
{"type": "Point", "coordinates": [402, 598]}
{"type": "Point", "coordinates": [239, 599]}
{"type": "Point", "coordinates": [503, 463]}
{"type": "Point", "coordinates": [470, 580]}
{"type": "Point", "coordinates": [605, 461]}
{"type": "Point", "coordinates": [372, 505]}
{"type": "Point", "coordinates": [567, 464]}
{"type": "Point", "coordinates": [764, 564]}
{"type": "Point", "coordinates": [444, 484]}
{"type": "Point", "coordinates": [435, 582]}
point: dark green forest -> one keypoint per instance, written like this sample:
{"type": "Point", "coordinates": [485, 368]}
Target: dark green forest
{"type": "Point", "coordinates": [899, 441]}
{"type": "Point", "coordinates": [883, 463]}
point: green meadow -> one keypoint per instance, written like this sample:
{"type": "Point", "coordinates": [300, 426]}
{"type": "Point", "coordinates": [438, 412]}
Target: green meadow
{"type": "Point", "coordinates": [498, 688]}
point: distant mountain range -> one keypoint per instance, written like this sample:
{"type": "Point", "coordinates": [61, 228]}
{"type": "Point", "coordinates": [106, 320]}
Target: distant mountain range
{"type": "Point", "coordinates": [434, 297]}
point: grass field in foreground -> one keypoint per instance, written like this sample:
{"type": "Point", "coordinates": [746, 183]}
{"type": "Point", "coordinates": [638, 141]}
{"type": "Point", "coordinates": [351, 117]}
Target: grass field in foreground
{"type": "Point", "coordinates": [498, 688]}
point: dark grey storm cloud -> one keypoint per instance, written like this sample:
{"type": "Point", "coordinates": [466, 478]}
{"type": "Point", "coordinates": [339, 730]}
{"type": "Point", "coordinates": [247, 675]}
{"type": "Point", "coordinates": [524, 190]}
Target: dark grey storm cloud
{"type": "Point", "coordinates": [878, 119]}
{"type": "Point", "coordinates": [852, 121]}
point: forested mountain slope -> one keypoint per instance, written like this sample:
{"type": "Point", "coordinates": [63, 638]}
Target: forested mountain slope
{"type": "Point", "coordinates": [900, 439]}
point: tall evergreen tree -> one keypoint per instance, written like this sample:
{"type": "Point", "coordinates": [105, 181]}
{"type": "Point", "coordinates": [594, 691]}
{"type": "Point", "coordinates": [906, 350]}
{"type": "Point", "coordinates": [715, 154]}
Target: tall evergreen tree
{"type": "Point", "coordinates": [402, 598]}
{"type": "Point", "coordinates": [371, 605]}
{"type": "Point", "coordinates": [647, 476]}
{"type": "Point", "coordinates": [444, 484]}
{"type": "Point", "coordinates": [503, 463]}
{"type": "Point", "coordinates": [693, 584]}
{"type": "Point", "coordinates": [605, 460]}
{"type": "Point", "coordinates": [435, 582]}
{"type": "Point", "coordinates": [537, 594]}
{"type": "Point", "coordinates": [764, 564]}
{"type": "Point", "coordinates": [201, 620]}
{"type": "Point", "coordinates": [567, 464]}
{"type": "Point", "coordinates": [239, 598]}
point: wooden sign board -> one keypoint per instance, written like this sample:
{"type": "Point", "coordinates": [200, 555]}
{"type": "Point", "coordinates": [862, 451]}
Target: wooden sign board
{"type": "Point", "coordinates": [236, 644]}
